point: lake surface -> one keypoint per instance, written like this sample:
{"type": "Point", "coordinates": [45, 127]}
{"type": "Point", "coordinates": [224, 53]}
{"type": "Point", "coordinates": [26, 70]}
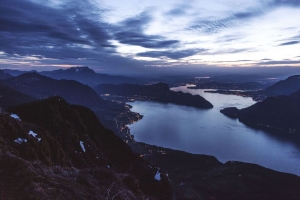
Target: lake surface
{"type": "Point", "coordinates": [207, 131]}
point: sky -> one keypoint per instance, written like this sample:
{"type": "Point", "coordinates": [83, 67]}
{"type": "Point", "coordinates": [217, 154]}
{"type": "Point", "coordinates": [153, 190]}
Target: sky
{"type": "Point", "coordinates": [139, 36]}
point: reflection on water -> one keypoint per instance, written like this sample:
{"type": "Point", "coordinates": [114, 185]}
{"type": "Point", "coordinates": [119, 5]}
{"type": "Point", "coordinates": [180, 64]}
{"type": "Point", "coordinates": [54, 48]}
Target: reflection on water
{"type": "Point", "coordinates": [207, 131]}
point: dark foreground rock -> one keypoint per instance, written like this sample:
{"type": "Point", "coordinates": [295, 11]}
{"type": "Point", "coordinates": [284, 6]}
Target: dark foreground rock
{"type": "Point", "coordinates": [61, 151]}
{"type": "Point", "coordinates": [204, 177]}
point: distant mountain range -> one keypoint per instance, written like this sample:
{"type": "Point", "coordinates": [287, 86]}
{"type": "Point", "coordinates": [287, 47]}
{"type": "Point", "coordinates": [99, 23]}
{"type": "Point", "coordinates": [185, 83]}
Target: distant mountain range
{"type": "Point", "coordinates": [55, 150]}
{"type": "Point", "coordinates": [88, 76]}
{"type": "Point", "coordinates": [280, 113]}
{"type": "Point", "coordinates": [283, 87]}
{"type": "Point", "coordinates": [83, 75]}
{"type": "Point", "coordinates": [41, 87]}
{"type": "Point", "coordinates": [157, 92]}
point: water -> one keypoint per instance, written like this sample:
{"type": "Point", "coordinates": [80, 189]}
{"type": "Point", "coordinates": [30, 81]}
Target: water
{"type": "Point", "coordinates": [207, 131]}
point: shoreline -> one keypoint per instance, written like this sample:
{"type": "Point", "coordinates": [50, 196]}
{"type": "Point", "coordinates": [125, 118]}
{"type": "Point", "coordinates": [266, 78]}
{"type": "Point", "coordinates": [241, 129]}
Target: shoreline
{"type": "Point", "coordinates": [144, 148]}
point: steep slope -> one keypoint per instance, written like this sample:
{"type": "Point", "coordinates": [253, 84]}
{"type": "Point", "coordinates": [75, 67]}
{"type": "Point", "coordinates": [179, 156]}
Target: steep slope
{"type": "Point", "coordinates": [280, 113]}
{"type": "Point", "coordinates": [10, 97]}
{"type": "Point", "coordinates": [87, 76]}
{"type": "Point", "coordinates": [157, 92]}
{"type": "Point", "coordinates": [68, 143]}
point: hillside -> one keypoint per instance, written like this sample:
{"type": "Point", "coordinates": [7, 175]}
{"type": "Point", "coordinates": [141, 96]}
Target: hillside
{"type": "Point", "coordinates": [58, 150]}
{"type": "Point", "coordinates": [157, 92]}
{"type": "Point", "coordinates": [280, 113]}
{"type": "Point", "coordinates": [284, 87]}
{"type": "Point", "coordinates": [195, 176]}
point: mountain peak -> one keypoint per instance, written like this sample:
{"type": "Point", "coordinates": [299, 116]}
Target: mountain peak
{"type": "Point", "coordinates": [80, 70]}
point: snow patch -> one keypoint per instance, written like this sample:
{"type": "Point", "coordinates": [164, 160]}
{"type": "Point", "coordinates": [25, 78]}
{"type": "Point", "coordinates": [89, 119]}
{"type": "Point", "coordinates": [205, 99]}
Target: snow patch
{"type": "Point", "coordinates": [157, 176]}
{"type": "Point", "coordinates": [108, 166]}
{"type": "Point", "coordinates": [39, 139]}
{"type": "Point", "coordinates": [20, 141]}
{"type": "Point", "coordinates": [32, 133]}
{"type": "Point", "coordinates": [82, 146]}
{"type": "Point", "coordinates": [15, 116]}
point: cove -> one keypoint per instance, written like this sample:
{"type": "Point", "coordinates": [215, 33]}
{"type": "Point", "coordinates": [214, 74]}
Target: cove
{"type": "Point", "coordinates": [207, 131]}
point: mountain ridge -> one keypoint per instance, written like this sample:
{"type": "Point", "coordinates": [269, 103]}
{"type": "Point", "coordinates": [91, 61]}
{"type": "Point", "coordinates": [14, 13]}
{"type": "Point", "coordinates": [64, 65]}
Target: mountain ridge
{"type": "Point", "coordinates": [87, 76]}
{"type": "Point", "coordinates": [159, 92]}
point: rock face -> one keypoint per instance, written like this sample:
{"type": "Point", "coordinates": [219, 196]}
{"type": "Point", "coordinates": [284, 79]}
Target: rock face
{"type": "Point", "coordinates": [280, 113]}
{"type": "Point", "coordinates": [157, 92]}
{"type": "Point", "coordinates": [62, 151]}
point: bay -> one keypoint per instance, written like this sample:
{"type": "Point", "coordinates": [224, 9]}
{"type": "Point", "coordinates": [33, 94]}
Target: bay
{"type": "Point", "coordinates": [207, 131]}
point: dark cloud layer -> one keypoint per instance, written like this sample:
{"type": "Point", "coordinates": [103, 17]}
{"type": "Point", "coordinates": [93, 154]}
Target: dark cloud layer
{"type": "Point", "coordinates": [130, 32]}
{"type": "Point", "coordinates": [27, 28]}
{"type": "Point", "coordinates": [69, 32]}
{"type": "Point", "coordinates": [76, 32]}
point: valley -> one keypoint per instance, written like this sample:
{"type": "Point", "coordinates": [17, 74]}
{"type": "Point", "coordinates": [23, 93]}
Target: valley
{"type": "Point", "coordinates": [197, 164]}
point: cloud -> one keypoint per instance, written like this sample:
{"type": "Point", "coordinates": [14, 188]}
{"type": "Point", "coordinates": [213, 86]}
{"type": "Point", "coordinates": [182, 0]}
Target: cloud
{"type": "Point", "coordinates": [171, 54]}
{"type": "Point", "coordinates": [289, 43]}
{"type": "Point", "coordinates": [266, 59]}
{"type": "Point", "coordinates": [176, 12]}
{"type": "Point", "coordinates": [130, 31]}
{"type": "Point", "coordinates": [27, 28]}
{"type": "Point", "coordinates": [285, 3]}
{"type": "Point", "coordinates": [232, 20]}
{"type": "Point", "coordinates": [90, 32]}
{"type": "Point", "coordinates": [281, 62]}
{"type": "Point", "coordinates": [180, 9]}
{"type": "Point", "coordinates": [148, 41]}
